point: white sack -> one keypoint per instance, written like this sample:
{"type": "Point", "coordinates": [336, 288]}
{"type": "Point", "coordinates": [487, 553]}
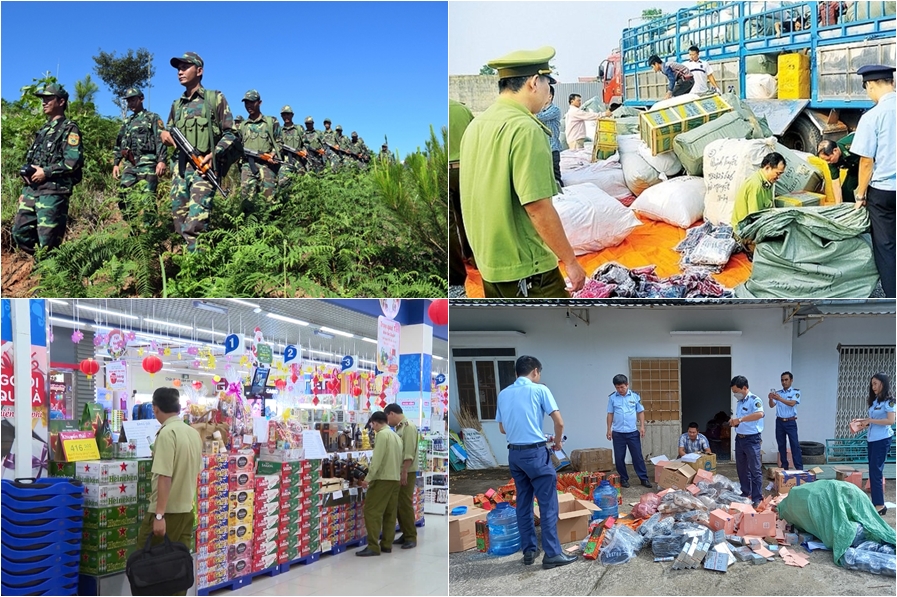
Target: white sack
{"type": "Point", "coordinates": [638, 174]}
{"type": "Point", "coordinates": [572, 159]}
{"type": "Point", "coordinates": [607, 175]}
{"type": "Point", "coordinates": [592, 219]}
{"type": "Point", "coordinates": [678, 201]}
{"type": "Point", "coordinates": [727, 164]}
{"type": "Point", "coordinates": [761, 86]}
{"type": "Point", "coordinates": [667, 162]}
{"type": "Point", "coordinates": [674, 101]}
{"type": "Point", "coordinates": [479, 452]}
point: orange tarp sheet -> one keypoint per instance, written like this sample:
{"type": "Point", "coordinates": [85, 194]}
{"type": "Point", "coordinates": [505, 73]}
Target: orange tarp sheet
{"type": "Point", "coordinates": [650, 244]}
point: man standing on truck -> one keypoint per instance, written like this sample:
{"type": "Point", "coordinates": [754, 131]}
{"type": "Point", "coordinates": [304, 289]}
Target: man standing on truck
{"type": "Point", "coordinates": [874, 142]}
{"type": "Point", "coordinates": [507, 182]}
{"type": "Point", "coordinates": [700, 70]}
{"type": "Point", "coordinates": [681, 79]}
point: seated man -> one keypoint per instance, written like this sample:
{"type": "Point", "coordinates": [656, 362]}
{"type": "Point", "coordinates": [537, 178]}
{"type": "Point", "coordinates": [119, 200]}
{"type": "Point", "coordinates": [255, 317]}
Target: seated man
{"type": "Point", "coordinates": [837, 156]}
{"type": "Point", "coordinates": [693, 442]}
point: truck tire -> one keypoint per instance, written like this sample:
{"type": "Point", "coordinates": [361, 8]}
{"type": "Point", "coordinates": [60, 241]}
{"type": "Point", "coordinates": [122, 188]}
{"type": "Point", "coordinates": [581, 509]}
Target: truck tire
{"type": "Point", "coordinates": [812, 449]}
{"type": "Point", "coordinates": [813, 459]}
{"type": "Point", "coordinates": [802, 135]}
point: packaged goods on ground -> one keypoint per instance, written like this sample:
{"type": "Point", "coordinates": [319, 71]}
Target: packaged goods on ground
{"type": "Point", "coordinates": [615, 280]}
{"type": "Point", "coordinates": [462, 529]}
{"type": "Point", "coordinates": [799, 199]}
{"type": "Point", "coordinates": [761, 86]}
{"type": "Point", "coordinates": [592, 459]}
{"type": "Point", "coordinates": [659, 126]}
{"type": "Point", "coordinates": [638, 174]}
{"type": "Point", "coordinates": [678, 201]}
{"type": "Point", "coordinates": [666, 163]}
{"type": "Point", "coordinates": [573, 518]}
{"type": "Point", "coordinates": [795, 255]}
{"type": "Point", "coordinates": [689, 147]}
{"type": "Point", "coordinates": [479, 453]}
{"type": "Point", "coordinates": [787, 479]}
{"type": "Point", "coordinates": [706, 248]}
{"type": "Point", "coordinates": [574, 159]}
{"type": "Point", "coordinates": [592, 219]}
{"type": "Point", "coordinates": [728, 163]}
{"type": "Point", "coordinates": [607, 175]}
{"type": "Point", "coordinates": [676, 474]}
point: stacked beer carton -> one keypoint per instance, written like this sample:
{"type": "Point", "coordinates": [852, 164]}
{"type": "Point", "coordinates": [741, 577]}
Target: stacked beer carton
{"type": "Point", "coordinates": [287, 510]}
{"type": "Point", "coordinates": [212, 507]}
{"type": "Point", "coordinates": [144, 487]}
{"type": "Point", "coordinates": [310, 514]}
{"type": "Point", "coordinates": [110, 514]}
{"type": "Point", "coordinates": [241, 510]}
{"type": "Point", "coordinates": [266, 523]}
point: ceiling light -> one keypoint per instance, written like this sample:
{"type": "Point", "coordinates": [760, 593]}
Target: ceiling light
{"type": "Point", "coordinates": [211, 332]}
{"type": "Point", "coordinates": [255, 308]}
{"type": "Point", "coordinates": [337, 332]}
{"type": "Point", "coordinates": [323, 334]}
{"type": "Point", "coordinates": [58, 302]}
{"type": "Point", "coordinates": [367, 362]}
{"type": "Point", "coordinates": [329, 354]}
{"type": "Point", "coordinates": [438, 358]}
{"type": "Point", "coordinates": [286, 319]}
{"type": "Point", "coordinates": [371, 340]}
{"type": "Point", "coordinates": [68, 321]}
{"type": "Point", "coordinates": [107, 312]}
{"type": "Point", "coordinates": [168, 324]}
{"type": "Point", "coordinates": [206, 306]}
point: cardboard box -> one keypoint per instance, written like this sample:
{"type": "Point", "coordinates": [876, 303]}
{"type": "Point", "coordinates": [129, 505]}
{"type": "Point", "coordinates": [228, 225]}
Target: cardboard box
{"type": "Point", "coordinates": [62, 469]}
{"type": "Point", "coordinates": [456, 500]}
{"type": "Point", "coordinates": [676, 474]}
{"type": "Point", "coordinates": [771, 472]}
{"type": "Point", "coordinates": [102, 562]}
{"type": "Point", "coordinates": [104, 518]}
{"type": "Point", "coordinates": [593, 459]}
{"type": "Point", "coordinates": [105, 496]}
{"type": "Point", "coordinates": [785, 480]}
{"type": "Point", "coordinates": [241, 481]}
{"type": "Point", "coordinates": [462, 532]}
{"type": "Point", "coordinates": [703, 475]}
{"type": "Point", "coordinates": [241, 463]}
{"type": "Point", "coordinates": [658, 128]}
{"type": "Point", "coordinates": [658, 470]}
{"type": "Point", "coordinates": [109, 538]}
{"type": "Point", "coordinates": [816, 471]}
{"type": "Point", "coordinates": [706, 462]}
{"type": "Point", "coordinates": [720, 520]}
{"type": "Point", "coordinates": [758, 524]}
{"type": "Point", "coordinates": [573, 517]}
{"type": "Point", "coordinates": [105, 472]}
{"type": "Point", "coordinates": [856, 477]}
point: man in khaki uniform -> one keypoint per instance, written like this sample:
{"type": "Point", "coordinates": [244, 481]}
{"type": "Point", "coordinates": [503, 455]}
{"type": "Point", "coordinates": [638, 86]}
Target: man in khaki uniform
{"type": "Point", "coordinates": [406, 430]}
{"type": "Point", "coordinates": [177, 460]}
{"type": "Point", "coordinates": [382, 484]}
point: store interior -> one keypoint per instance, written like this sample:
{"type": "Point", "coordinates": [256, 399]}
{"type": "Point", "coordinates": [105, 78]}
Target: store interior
{"type": "Point", "coordinates": [282, 380]}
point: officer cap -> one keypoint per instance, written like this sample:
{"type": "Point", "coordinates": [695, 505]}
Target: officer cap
{"type": "Point", "coordinates": [132, 92]}
{"type": "Point", "coordinates": [252, 96]}
{"type": "Point", "coordinates": [309, 120]}
{"type": "Point", "coordinates": [525, 63]}
{"type": "Point", "coordinates": [339, 127]}
{"type": "Point", "coordinates": [286, 110]}
{"type": "Point", "coordinates": [188, 57]}
{"type": "Point", "coordinates": [52, 90]}
{"type": "Point", "coordinates": [239, 118]}
{"type": "Point", "coordinates": [327, 121]}
{"type": "Point", "coordinates": [876, 72]}
{"type": "Point", "coordinates": [354, 134]}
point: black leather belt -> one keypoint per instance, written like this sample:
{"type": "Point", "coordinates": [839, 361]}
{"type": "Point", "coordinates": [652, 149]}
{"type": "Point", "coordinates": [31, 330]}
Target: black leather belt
{"type": "Point", "coordinates": [787, 419]}
{"type": "Point", "coordinates": [526, 446]}
{"type": "Point", "coordinates": [743, 436]}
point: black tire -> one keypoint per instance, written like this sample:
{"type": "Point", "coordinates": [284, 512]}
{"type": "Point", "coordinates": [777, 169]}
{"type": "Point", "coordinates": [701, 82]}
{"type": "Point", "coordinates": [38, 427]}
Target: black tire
{"type": "Point", "coordinates": [812, 449]}
{"type": "Point", "coordinates": [802, 135]}
{"type": "Point", "coordinates": [813, 459]}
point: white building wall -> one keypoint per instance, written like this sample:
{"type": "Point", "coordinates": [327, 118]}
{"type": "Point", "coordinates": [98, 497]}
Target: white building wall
{"type": "Point", "coordinates": [580, 362]}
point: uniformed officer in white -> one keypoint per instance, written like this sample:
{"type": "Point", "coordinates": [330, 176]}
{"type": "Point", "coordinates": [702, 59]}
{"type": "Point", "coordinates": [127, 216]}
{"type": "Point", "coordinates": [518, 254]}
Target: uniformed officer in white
{"type": "Point", "coordinates": [748, 424]}
{"type": "Point", "coordinates": [785, 402]}
{"type": "Point", "coordinates": [879, 435]}
{"type": "Point", "coordinates": [624, 407]}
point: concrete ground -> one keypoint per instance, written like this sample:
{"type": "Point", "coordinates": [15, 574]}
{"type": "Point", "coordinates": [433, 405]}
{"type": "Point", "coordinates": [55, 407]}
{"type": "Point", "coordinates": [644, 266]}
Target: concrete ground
{"type": "Point", "coordinates": [475, 573]}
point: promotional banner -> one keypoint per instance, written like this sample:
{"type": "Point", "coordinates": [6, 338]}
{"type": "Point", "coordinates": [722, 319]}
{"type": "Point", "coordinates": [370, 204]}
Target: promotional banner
{"type": "Point", "coordinates": [390, 307]}
{"type": "Point", "coordinates": [116, 375]}
{"type": "Point", "coordinates": [388, 334]}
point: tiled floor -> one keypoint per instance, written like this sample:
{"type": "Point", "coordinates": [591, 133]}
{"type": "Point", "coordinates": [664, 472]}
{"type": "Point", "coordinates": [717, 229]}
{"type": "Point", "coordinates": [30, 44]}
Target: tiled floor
{"type": "Point", "coordinates": [419, 571]}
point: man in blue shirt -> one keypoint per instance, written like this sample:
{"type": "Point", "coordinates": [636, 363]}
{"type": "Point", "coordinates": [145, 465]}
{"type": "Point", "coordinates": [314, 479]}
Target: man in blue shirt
{"type": "Point", "coordinates": [623, 408]}
{"type": "Point", "coordinates": [875, 141]}
{"type": "Point", "coordinates": [521, 408]}
{"type": "Point", "coordinates": [680, 77]}
{"type": "Point", "coordinates": [748, 424]}
{"type": "Point", "coordinates": [551, 117]}
{"type": "Point", "coordinates": [786, 421]}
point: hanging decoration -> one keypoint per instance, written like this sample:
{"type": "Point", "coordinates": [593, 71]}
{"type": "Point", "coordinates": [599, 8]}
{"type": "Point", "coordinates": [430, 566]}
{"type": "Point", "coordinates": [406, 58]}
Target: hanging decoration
{"type": "Point", "coordinates": [152, 364]}
{"type": "Point", "coordinates": [116, 344]}
{"type": "Point", "coordinates": [89, 367]}
{"type": "Point", "coordinates": [77, 336]}
{"type": "Point", "coordinates": [280, 384]}
{"type": "Point", "coordinates": [197, 385]}
{"type": "Point", "coordinates": [176, 383]}
{"type": "Point", "coordinates": [438, 311]}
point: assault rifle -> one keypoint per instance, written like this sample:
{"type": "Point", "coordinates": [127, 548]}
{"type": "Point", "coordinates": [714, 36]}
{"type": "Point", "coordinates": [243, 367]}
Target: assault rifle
{"type": "Point", "coordinates": [253, 156]}
{"type": "Point", "coordinates": [188, 152]}
{"type": "Point", "coordinates": [299, 153]}
{"type": "Point", "coordinates": [26, 172]}
{"type": "Point", "coordinates": [129, 155]}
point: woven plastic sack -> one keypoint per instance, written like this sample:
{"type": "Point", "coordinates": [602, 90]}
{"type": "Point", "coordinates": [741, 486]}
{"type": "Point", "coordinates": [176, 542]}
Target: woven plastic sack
{"type": "Point", "coordinates": [727, 164]}
{"type": "Point", "coordinates": [479, 453]}
{"type": "Point", "coordinates": [761, 86]}
{"type": "Point", "coordinates": [666, 162]}
{"type": "Point", "coordinates": [689, 146]}
{"type": "Point", "coordinates": [678, 201]}
{"type": "Point", "coordinates": [592, 219]}
{"type": "Point", "coordinates": [607, 175]}
{"type": "Point", "coordinates": [638, 174]}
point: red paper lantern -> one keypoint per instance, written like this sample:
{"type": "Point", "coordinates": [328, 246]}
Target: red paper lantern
{"type": "Point", "coordinates": [152, 364]}
{"type": "Point", "coordinates": [89, 367]}
{"type": "Point", "coordinates": [176, 383]}
{"type": "Point", "coordinates": [280, 384]}
{"type": "Point", "coordinates": [438, 311]}
{"type": "Point", "coordinates": [197, 385]}
{"type": "Point", "coordinates": [356, 391]}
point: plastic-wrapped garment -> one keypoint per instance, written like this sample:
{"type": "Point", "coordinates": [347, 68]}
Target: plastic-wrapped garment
{"type": "Point", "coordinates": [869, 561]}
{"type": "Point", "coordinates": [643, 510]}
{"type": "Point", "coordinates": [644, 283]}
{"type": "Point", "coordinates": [713, 251]}
{"type": "Point", "coordinates": [707, 490]}
{"type": "Point", "coordinates": [595, 289]}
{"type": "Point", "coordinates": [649, 525]}
{"type": "Point", "coordinates": [667, 546]}
{"type": "Point", "coordinates": [697, 516]}
{"type": "Point", "coordinates": [678, 201]}
{"type": "Point", "coordinates": [621, 544]}
{"type": "Point", "coordinates": [706, 248]}
{"type": "Point", "coordinates": [592, 219]}
{"type": "Point", "coordinates": [812, 252]}
{"type": "Point", "coordinates": [727, 497]}
{"type": "Point", "coordinates": [680, 501]}
{"type": "Point", "coordinates": [873, 546]}
{"type": "Point", "coordinates": [664, 527]}
{"type": "Point", "coordinates": [725, 483]}
{"type": "Point", "coordinates": [708, 501]}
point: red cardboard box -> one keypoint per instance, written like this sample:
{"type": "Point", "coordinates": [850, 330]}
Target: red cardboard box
{"type": "Point", "coordinates": [760, 524]}
{"type": "Point", "coordinates": [241, 481]}
{"type": "Point", "coordinates": [241, 463]}
{"type": "Point", "coordinates": [702, 475]}
{"type": "Point", "coordinates": [720, 520]}
{"type": "Point", "coordinates": [658, 470]}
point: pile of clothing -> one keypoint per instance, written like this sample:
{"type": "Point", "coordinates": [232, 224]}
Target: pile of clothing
{"type": "Point", "coordinates": [615, 280]}
{"type": "Point", "coordinates": [707, 248]}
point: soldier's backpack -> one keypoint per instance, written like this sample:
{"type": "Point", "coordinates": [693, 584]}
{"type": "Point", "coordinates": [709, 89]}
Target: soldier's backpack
{"type": "Point", "coordinates": [232, 154]}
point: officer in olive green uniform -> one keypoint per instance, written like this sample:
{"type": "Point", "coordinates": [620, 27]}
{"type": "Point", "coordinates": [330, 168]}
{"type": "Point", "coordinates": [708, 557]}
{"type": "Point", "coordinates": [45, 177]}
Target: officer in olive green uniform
{"type": "Point", "coordinates": [507, 182]}
{"type": "Point", "coordinates": [260, 133]}
{"type": "Point", "coordinates": [407, 431]}
{"type": "Point", "coordinates": [314, 145]}
{"type": "Point", "coordinates": [838, 156]}
{"type": "Point", "coordinates": [291, 136]}
{"type": "Point", "coordinates": [459, 249]}
{"type": "Point", "coordinates": [56, 157]}
{"type": "Point", "coordinates": [328, 138]}
{"type": "Point", "coordinates": [205, 119]}
{"type": "Point", "coordinates": [140, 147]}
{"type": "Point", "coordinates": [382, 484]}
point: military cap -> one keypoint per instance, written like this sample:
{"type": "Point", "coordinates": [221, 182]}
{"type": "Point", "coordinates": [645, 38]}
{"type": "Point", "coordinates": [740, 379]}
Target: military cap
{"type": "Point", "coordinates": [354, 134]}
{"type": "Point", "coordinates": [252, 96]}
{"type": "Point", "coordinates": [309, 119]}
{"type": "Point", "coordinates": [239, 118]}
{"type": "Point", "coordinates": [876, 72]}
{"type": "Point", "coordinates": [188, 57]}
{"type": "Point", "coordinates": [286, 110]}
{"type": "Point", "coordinates": [132, 92]}
{"type": "Point", "coordinates": [52, 90]}
{"type": "Point", "coordinates": [525, 63]}
{"type": "Point", "coordinates": [326, 120]}
{"type": "Point", "coordinates": [339, 127]}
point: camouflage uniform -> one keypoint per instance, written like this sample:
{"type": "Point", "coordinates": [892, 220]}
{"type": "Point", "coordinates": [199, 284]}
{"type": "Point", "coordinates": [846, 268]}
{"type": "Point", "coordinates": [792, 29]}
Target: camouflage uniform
{"type": "Point", "coordinates": [314, 145]}
{"type": "Point", "coordinates": [43, 208]}
{"type": "Point", "coordinates": [328, 138]}
{"type": "Point", "coordinates": [141, 134]}
{"type": "Point", "coordinates": [358, 148]}
{"type": "Point", "coordinates": [191, 194]}
{"type": "Point", "coordinates": [292, 164]}
{"type": "Point", "coordinates": [259, 135]}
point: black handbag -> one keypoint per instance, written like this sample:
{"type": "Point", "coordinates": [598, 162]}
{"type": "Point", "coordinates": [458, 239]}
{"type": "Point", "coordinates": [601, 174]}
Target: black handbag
{"type": "Point", "coordinates": [163, 569]}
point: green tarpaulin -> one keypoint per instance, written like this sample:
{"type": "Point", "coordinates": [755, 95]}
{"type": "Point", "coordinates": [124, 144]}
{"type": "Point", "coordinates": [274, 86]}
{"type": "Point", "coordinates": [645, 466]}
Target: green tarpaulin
{"type": "Point", "coordinates": [831, 510]}
{"type": "Point", "coordinates": [809, 252]}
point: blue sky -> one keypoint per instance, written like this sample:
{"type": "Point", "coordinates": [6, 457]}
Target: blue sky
{"type": "Point", "coordinates": [374, 67]}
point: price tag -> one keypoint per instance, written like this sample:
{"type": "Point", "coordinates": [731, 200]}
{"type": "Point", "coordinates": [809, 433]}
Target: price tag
{"type": "Point", "coordinates": [76, 450]}
{"type": "Point", "coordinates": [337, 495]}
{"type": "Point", "coordinates": [247, 439]}
{"type": "Point", "coordinates": [353, 491]}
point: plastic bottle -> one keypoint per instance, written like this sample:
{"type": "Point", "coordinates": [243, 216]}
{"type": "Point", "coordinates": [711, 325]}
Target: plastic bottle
{"type": "Point", "coordinates": [504, 537]}
{"type": "Point", "coordinates": [606, 499]}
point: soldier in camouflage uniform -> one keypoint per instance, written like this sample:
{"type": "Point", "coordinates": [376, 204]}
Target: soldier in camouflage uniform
{"type": "Point", "coordinates": [385, 154]}
{"type": "Point", "coordinates": [140, 146]}
{"type": "Point", "coordinates": [357, 147]}
{"type": "Point", "coordinates": [328, 137]}
{"type": "Point", "coordinates": [57, 158]}
{"type": "Point", "coordinates": [291, 136]}
{"type": "Point", "coordinates": [238, 122]}
{"type": "Point", "coordinates": [342, 143]}
{"type": "Point", "coordinates": [205, 119]}
{"type": "Point", "coordinates": [260, 133]}
{"type": "Point", "coordinates": [314, 146]}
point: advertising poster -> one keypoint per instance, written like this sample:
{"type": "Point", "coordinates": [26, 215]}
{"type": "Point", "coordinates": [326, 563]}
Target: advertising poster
{"type": "Point", "coordinates": [116, 375]}
{"type": "Point", "coordinates": [388, 334]}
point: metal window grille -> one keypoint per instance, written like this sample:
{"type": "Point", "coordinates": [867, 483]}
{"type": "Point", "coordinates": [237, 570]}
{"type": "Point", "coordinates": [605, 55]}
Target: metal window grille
{"type": "Point", "coordinates": [856, 366]}
{"type": "Point", "coordinates": [657, 382]}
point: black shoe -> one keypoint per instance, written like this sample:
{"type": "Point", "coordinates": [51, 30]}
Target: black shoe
{"type": "Point", "coordinates": [399, 541]}
{"type": "Point", "coordinates": [530, 556]}
{"type": "Point", "coordinates": [624, 483]}
{"type": "Point", "coordinates": [755, 504]}
{"type": "Point", "coordinates": [366, 553]}
{"type": "Point", "coordinates": [646, 483]}
{"type": "Point", "coordinates": [409, 544]}
{"type": "Point", "coordinates": [883, 511]}
{"type": "Point", "coordinates": [561, 559]}
{"type": "Point", "coordinates": [385, 550]}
